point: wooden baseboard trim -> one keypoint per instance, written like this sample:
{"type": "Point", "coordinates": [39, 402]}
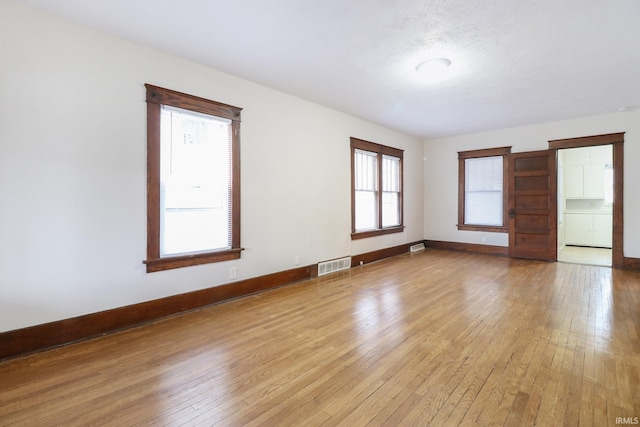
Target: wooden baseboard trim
{"type": "Point", "coordinates": [67, 331]}
{"type": "Point", "coordinates": [631, 263]}
{"type": "Point", "coordinates": [467, 247]}
{"type": "Point", "coordinates": [49, 335]}
{"type": "Point", "coordinates": [380, 254]}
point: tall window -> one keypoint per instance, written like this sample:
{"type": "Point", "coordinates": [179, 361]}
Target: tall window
{"type": "Point", "coordinates": [482, 198]}
{"type": "Point", "coordinates": [376, 186]}
{"type": "Point", "coordinates": [193, 170]}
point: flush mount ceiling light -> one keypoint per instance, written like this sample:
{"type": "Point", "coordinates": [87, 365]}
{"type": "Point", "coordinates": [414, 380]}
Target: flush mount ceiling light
{"type": "Point", "coordinates": [434, 70]}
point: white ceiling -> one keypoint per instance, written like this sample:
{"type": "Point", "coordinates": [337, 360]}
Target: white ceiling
{"type": "Point", "coordinates": [513, 62]}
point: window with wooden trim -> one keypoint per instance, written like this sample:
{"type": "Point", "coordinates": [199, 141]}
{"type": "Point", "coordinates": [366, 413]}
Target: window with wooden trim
{"type": "Point", "coordinates": [482, 190]}
{"type": "Point", "coordinates": [376, 189]}
{"type": "Point", "coordinates": [193, 180]}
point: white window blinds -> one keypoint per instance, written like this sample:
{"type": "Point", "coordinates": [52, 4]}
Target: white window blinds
{"type": "Point", "coordinates": [483, 191]}
{"type": "Point", "coordinates": [195, 182]}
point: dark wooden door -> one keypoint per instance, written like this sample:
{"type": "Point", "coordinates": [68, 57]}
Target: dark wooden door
{"type": "Point", "coordinates": [533, 205]}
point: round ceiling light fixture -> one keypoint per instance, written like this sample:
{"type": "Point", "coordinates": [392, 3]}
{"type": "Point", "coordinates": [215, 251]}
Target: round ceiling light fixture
{"type": "Point", "coordinates": [434, 70]}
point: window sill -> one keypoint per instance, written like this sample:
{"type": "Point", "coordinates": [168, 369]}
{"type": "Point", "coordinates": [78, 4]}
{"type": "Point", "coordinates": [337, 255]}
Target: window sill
{"type": "Point", "coordinates": [169, 263]}
{"type": "Point", "coordinates": [371, 233]}
{"type": "Point", "coordinates": [487, 228]}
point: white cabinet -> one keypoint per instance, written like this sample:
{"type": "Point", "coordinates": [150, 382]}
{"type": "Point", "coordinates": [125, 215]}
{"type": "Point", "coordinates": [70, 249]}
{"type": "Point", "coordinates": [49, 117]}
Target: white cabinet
{"type": "Point", "coordinates": [573, 181]}
{"type": "Point", "coordinates": [601, 154]}
{"type": "Point", "coordinates": [584, 172]}
{"type": "Point", "coordinates": [602, 230]}
{"type": "Point", "coordinates": [585, 155]}
{"type": "Point", "coordinates": [577, 156]}
{"type": "Point", "coordinates": [584, 181]}
{"type": "Point", "coordinates": [585, 229]}
{"type": "Point", "coordinates": [587, 217]}
{"type": "Point", "coordinates": [579, 229]}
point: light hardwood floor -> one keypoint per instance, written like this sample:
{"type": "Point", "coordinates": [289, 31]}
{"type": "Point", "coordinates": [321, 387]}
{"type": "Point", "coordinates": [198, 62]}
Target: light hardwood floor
{"type": "Point", "coordinates": [433, 338]}
{"type": "Point", "coordinates": [585, 255]}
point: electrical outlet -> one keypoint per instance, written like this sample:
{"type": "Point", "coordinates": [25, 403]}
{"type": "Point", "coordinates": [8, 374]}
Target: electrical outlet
{"type": "Point", "coordinates": [296, 260]}
{"type": "Point", "coordinates": [233, 273]}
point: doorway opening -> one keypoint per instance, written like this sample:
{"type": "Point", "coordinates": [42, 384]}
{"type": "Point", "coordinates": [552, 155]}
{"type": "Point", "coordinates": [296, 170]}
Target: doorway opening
{"type": "Point", "coordinates": [590, 199]}
{"type": "Point", "coordinates": [585, 205]}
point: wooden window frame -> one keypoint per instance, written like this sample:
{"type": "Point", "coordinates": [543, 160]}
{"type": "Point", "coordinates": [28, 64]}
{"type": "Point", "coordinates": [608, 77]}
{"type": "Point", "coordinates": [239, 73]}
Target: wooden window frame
{"type": "Point", "coordinates": [380, 150]}
{"type": "Point", "coordinates": [157, 97]}
{"type": "Point", "coordinates": [474, 154]}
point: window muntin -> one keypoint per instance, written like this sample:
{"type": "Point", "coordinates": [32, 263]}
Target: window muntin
{"type": "Point", "coordinates": [482, 189]}
{"type": "Point", "coordinates": [193, 176]}
{"type": "Point", "coordinates": [376, 189]}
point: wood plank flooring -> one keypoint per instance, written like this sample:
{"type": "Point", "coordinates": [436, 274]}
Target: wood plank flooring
{"type": "Point", "coordinates": [432, 338]}
{"type": "Point", "coordinates": [585, 255]}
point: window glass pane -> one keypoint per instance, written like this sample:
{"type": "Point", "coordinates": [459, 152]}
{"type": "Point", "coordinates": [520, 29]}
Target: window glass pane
{"type": "Point", "coordinates": [483, 208]}
{"type": "Point", "coordinates": [390, 209]}
{"type": "Point", "coordinates": [483, 191]}
{"type": "Point", "coordinates": [391, 191]}
{"type": "Point", "coordinates": [390, 173]}
{"type": "Point", "coordinates": [366, 177]}
{"type": "Point", "coordinates": [366, 170]}
{"type": "Point", "coordinates": [365, 210]}
{"type": "Point", "coordinates": [195, 182]}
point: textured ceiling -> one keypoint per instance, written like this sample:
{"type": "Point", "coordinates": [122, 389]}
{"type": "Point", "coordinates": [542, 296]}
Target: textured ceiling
{"type": "Point", "coordinates": [513, 63]}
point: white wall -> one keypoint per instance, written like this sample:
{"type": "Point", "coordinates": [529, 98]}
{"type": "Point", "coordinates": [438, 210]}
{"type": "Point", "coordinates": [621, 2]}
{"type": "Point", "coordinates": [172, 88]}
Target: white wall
{"type": "Point", "coordinates": [441, 172]}
{"type": "Point", "coordinates": [73, 183]}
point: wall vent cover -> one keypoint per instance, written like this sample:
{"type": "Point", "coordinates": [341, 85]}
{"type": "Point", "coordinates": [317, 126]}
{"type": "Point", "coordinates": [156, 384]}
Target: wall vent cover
{"type": "Point", "coordinates": [416, 248]}
{"type": "Point", "coordinates": [327, 267]}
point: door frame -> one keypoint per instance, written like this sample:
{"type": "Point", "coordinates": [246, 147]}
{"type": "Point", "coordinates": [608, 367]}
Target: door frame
{"type": "Point", "coordinates": [616, 140]}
